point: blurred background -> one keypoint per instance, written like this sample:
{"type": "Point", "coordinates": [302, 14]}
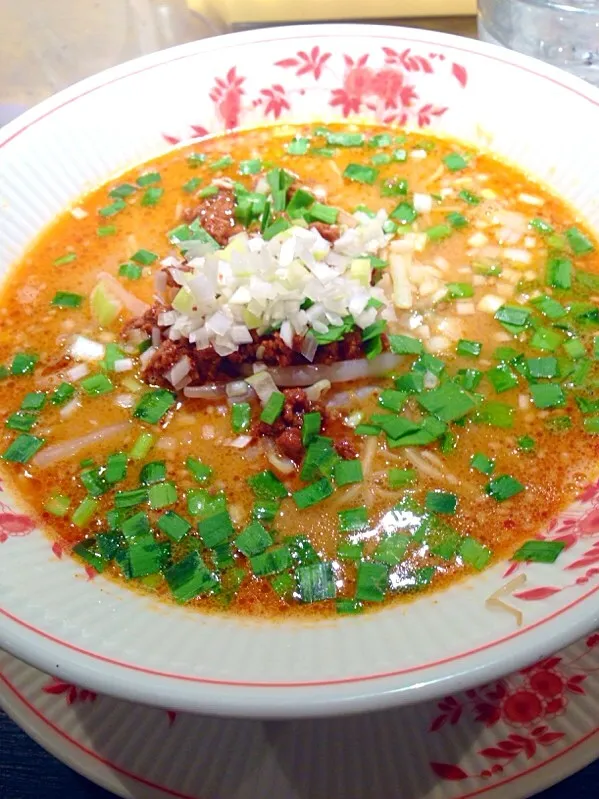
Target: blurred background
{"type": "Point", "coordinates": [49, 45]}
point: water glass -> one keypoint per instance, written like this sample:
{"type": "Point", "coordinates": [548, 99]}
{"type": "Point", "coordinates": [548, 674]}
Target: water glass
{"type": "Point", "coordinates": [564, 33]}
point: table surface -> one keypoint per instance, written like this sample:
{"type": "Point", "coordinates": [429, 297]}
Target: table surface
{"type": "Point", "coordinates": [23, 762]}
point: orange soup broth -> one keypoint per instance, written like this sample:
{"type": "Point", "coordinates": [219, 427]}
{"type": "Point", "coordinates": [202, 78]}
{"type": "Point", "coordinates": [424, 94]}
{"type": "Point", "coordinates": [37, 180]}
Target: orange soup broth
{"type": "Point", "coordinates": [561, 463]}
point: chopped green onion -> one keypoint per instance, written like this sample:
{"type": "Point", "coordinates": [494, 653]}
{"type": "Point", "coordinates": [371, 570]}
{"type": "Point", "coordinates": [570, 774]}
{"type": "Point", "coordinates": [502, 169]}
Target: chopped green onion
{"type": "Point", "coordinates": [173, 525]}
{"type": "Point", "coordinates": [192, 185]}
{"type": "Point", "coordinates": [474, 553]}
{"type": "Point", "coordinates": [448, 402]}
{"type": "Point", "coordinates": [138, 524]}
{"type": "Point", "coordinates": [298, 146]}
{"type": "Point", "coordinates": [222, 163]}
{"type": "Point", "coordinates": [144, 257]}
{"type": "Point", "coordinates": [398, 478]}
{"type": "Point", "coordinates": [265, 510]}
{"type": "Point", "coordinates": [348, 606]}
{"type": "Point", "coordinates": [526, 443]}
{"type": "Point", "coordinates": [346, 472]}
{"type": "Point", "coordinates": [360, 173]}
{"type": "Point", "coordinates": [57, 504]}
{"type": "Point", "coordinates": [459, 291]}
{"type": "Point", "coordinates": [353, 519]}
{"type": "Point", "coordinates": [272, 561]}
{"type": "Point", "coordinates": [380, 159]}
{"type": "Point", "coordinates": [33, 401]}
{"type": "Point", "coordinates": [456, 220]}
{"type": "Point", "coordinates": [311, 426]}
{"type": "Point", "coordinates": [549, 307]}
{"type": "Point", "coordinates": [315, 582]}
{"type": "Point", "coordinates": [113, 208]}
{"type": "Point", "coordinates": [122, 191]}
{"type": "Point", "coordinates": [275, 228]}
{"type": "Point", "coordinates": [575, 348]}
{"type": "Point", "coordinates": [559, 273]}
{"type": "Point", "coordinates": [392, 400]}
{"type": "Point", "coordinates": [400, 155]}
{"type": "Point", "coordinates": [199, 470]}
{"type": "Point", "coordinates": [266, 486]}
{"type": "Point", "coordinates": [391, 550]}
{"type": "Point", "coordinates": [67, 299]}
{"type": "Point", "coordinates": [482, 463]}
{"type": "Point", "coordinates": [455, 162]}
{"type": "Point", "coordinates": [21, 420]}
{"type": "Point", "coordinates": [154, 405]}
{"type": "Point", "coordinates": [62, 394]}
{"type": "Point", "coordinates": [547, 395]}
{"type": "Point", "coordinates": [469, 197]}
{"type": "Point", "coordinates": [579, 243]}
{"type": "Point", "coordinates": [24, 363]}
{"type": "Point", "coordinates": [273, 407]}
{"type": "Point", "coordinates": [68, 258]}
{"type": "Point", "coordinates": [372, 582]}
{"type": "Point", "coordinates": [513, 316]}
{"type": "Point", "coordinates": [96, 385]}
{"type": "Point", "coordinates": [438, 232]}
{"type": "Point", "coordinates": [344, 139]}
{"type": "Point", "coordinates": [441, 502]}
{"type": "Point", "coordinates": [469, 348]}
{"type": "Point", "coordinates": [148, 178]}
{"type": "Point", "coordinates": [591, 425]}
{"type": "Point", "coordinates": [130, 271]}
{"type": "Point", "coordinates": [151, 196]}
{"type": "Point", "coordinates": [141, 446]}
{"type": "Point", "coordinates": [319, 212]}
{"type": "Point", "coordinates": [253, 540]}
{"type": "Point", "coordinates": [283, 585]}
{"type": "Point", "coordinates": [89, 552]}
{"type": "Point", "coordinates": [539, 551]}
{"type": "Point", "coordinates": [545, 339]}
{"type": "Point", "coordinates": [153, 472]}
{"type": "Point", "coordinates": [194, 159]}
{"type": "Point", "coordinates": [404, 213]}
{"type": "Point", "coordinates": [207, 191]}
{"type": "Point", "coordinates": [106, 230]}
{"type": "Point", "coordinates": [502, 378]}
{"type": "Point", "coordinates": [405, 345]}
{"type": "Point", "coordinates": [393, 188]}
{"type": "Point", "coordinates": [84, 512]}
{"type": "Point", "coordinates": [497, 414]}
{"type": "Point", "coordinates": [348, 551]}
{"type": "Point", "coordinates": [94, 481]}
{"type": "Point", "coordinates": [544, 366]}
{"type": "Point", "coordinates": [503, 487]}
{"type": "Point", "coordinates": [130, 498]}
{"type": "Point", "coordinates": [380, 140]}
{"type": "Point", "coordinates": [161, 495]}
{"type": "Point", "coordinates": [312, 494]}
{"type": "Point", "coordinates": [189, 578]}
{"type": "Point", "coordinates": [116, 467]}
{"type": "Point", "coordinates": [23, 448]}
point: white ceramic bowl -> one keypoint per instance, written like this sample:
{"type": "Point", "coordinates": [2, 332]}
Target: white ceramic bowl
{"type": "Point", "coordinates": [107, 638]}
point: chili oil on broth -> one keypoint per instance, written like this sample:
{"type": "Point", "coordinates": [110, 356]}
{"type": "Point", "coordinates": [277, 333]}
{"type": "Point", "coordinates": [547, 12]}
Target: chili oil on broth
{"type": "Point", "coordinates": [561, 462]}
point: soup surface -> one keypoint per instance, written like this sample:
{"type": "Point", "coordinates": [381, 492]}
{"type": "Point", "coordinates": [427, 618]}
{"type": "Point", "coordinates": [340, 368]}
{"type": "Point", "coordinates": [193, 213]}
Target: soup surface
{"type": "Point", "coordinates": [304, 370]}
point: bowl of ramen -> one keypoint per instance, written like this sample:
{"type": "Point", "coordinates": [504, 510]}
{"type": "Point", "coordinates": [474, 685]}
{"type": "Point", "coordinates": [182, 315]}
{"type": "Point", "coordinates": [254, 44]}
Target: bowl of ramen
{"type": "Point", "coordinates": [300, 371]}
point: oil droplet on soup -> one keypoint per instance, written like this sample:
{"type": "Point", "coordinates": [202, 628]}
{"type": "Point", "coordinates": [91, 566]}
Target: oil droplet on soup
{"type": "Point", "coordinates": [303, 370]}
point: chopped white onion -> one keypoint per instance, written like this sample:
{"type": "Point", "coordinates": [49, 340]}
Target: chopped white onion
{"type": "Point", "coordinates": [70, 408]}
{"type": "Point", "coordinates": [530, 199]}
{"type": "Point", "coordinates": [179, 371]}
{"type": "Point", "coordinates": [124, 400]}
{"type": "Point", "coordinates": [309, 347]}
{"type": "Point", "coordinates": [315, 391]}
{"type": "Point", "coordinates": [85, 349]}
{"type": "Point", "coordinates": [423, 203]}
{"type": "Point", "coordinates": [77, 372]}
{"type": "Point", "coordinates": [146, 356]}
{"type": "Point", "coordinates": [263, 384]}
{"type": "Point", "coordinates": [78, 213]}
{"type": "Point", "coordinates": [241, 442]}
{"type": "Point", "coordinates": [123, 365]}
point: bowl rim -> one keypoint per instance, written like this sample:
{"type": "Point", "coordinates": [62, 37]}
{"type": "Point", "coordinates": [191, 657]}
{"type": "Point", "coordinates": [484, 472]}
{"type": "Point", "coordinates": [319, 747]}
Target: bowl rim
{"type": "Point", "coordinates": [309, 698]}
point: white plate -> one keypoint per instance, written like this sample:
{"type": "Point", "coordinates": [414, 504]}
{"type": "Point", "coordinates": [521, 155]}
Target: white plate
{"type": "Point", "coordinates": [103, 636]}
{"type": "Point", "coordinates": [509, 740]}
